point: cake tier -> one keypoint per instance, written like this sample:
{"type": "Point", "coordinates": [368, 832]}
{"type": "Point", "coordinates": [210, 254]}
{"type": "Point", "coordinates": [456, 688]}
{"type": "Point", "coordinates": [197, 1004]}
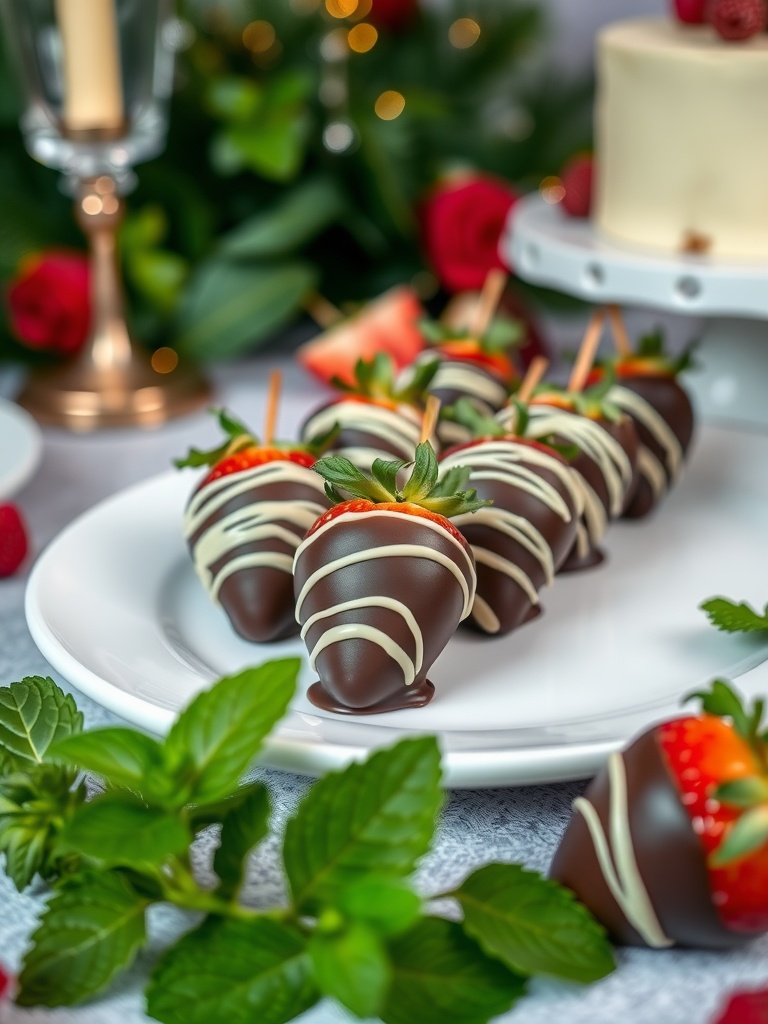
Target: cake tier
{"type": "Point", "coordinates": [681, 125]}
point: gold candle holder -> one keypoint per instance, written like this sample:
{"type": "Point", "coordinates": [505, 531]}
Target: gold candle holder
{"type": "Point", "coordinates": [112, 382]}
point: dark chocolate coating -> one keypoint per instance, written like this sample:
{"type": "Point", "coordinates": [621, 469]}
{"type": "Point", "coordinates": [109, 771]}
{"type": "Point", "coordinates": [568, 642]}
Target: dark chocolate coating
{"type": "Point", "coordinates": [664, 394]}
{"type": "Point", "coordinates": [355, 672]}
{"type": "Point", "coordinates": [353, 434]}
{"type": "Point", "coordinates": [669, 854]}
{"type": "Point", "coordinates": [258, 600]}
{"type": "Point", "coordinates": [624, 432]}
{"type": "Point", "coordinates": [507, 599]}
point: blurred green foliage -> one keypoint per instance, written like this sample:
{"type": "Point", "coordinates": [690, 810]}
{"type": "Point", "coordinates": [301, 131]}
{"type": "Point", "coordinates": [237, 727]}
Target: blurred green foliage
{"type": "Point", "coordinates": [247, 210]}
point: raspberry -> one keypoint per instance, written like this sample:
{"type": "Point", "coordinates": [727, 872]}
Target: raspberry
{"type": "Point", "coordinates": [13, 540]}
{"type": "Point", "coordinates": [745, 1008]}
{"type": "Point", "coordinates": [737, 19]}
{"type": "Point", "coordinates": [692, 12]}
{"type": "Point", "coordinates": [577, 177]}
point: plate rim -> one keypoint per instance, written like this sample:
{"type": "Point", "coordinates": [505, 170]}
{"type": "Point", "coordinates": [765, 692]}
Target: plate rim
{"type": "Point", "coordinates": [309, 753]}
{"type": "Point", "coordinates": [13, 481]}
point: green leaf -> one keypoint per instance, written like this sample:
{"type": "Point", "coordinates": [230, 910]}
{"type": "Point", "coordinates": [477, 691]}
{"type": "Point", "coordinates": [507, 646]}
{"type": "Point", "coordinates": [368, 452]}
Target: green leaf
{"type": "Point", "coordinates": [745, 792]}
{"type": "Point", "coordinates": [385, 472]}
{"type": "Point", "coordinates": [233, 972]}
{"type": "Point", "coordinates": [386, 904]}
{"type": "Point", "coordinates": [533, 925]}
{"type": "Point", "coordinates": [424, 474]}
{"type": "Point", "coordinates": [116, 830]}
{"type": "Point", "coordinates": [441, 975]}
{"type": "Point", "coordinates": [274, 145]}
{"type": "Point", "coordinates": [734, 618]}
{"type": "Point", "coordinates": [300, 216]}
{"type": "Point", "coordinates": [352, 966]}
{"type": "Point", "coordinates": [234, 99]}
{"type": "Point", "coordinates": [379, 815]}
{"type": "Point", "coordinates": [24, 844]}
{"type": "Point", "coordinates": [201, 816]}
{"type": "Point", "coordinates": [339, 472]}
{"type": "Point", "coordinates": [244, 827]}
{"type": "Point", "coordinates": [123, 757]}
{"type": "Point", "coordinates": [722, 700]}
{"type": "Point", "coordinates": [159, 275]}
{"type": "Point", "coordinates": [34, 714]}
{"type": "Point", "coordinates": [747, 834]}
{"type": "Point", "coordinates": [228, 307]}
{"type": "Point", "coordinates": [218, 735]}
{"type": "Point", "coordinates": [90, 931]}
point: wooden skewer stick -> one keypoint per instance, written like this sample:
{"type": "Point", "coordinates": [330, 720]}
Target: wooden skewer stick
{"type": "Point", "coordinates": [275, 381]}
{"type": "Point", "coordinates": [322, 311]}
{"type": "Point", "coordinates": [619, 332]}
{"type": "Point", "coordinates": [532, 378]}
{"type": "Point", "coordinates": [490, 297]}
{"type": "Point", "coordinates": [430, 418]}
{"type": "Point", "coordinates": [587, 351]}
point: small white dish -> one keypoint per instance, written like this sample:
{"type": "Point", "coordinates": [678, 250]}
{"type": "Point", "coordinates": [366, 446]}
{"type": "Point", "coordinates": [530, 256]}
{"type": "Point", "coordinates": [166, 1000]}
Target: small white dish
{"type": "Point", "coordinates": [115, 607]}
{"type": "Point", "coordinates": [21, 446]}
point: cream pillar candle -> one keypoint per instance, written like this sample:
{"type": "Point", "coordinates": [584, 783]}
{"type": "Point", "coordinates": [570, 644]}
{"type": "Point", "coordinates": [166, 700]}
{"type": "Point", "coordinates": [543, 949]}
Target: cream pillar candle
{"type": "Point", "coordinates": [93, 93]}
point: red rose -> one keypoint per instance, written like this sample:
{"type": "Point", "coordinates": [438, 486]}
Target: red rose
{"type": "Point", "coordinates": [49, 302]}
{"type": "Point", "coordinates": [462, 224]}
{"type": "Point", "coordinates": [393, 15]}
{"type": "Point", "coordinates": [5, 983]}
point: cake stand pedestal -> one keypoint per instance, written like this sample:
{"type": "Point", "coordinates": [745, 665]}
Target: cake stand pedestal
{"type": "Point", "coordinates": [546, 247]}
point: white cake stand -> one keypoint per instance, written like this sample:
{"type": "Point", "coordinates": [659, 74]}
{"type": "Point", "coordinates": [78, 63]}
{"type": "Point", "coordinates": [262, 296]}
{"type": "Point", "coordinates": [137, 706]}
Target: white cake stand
{"type": "Point", "coordinates": [546, 247]}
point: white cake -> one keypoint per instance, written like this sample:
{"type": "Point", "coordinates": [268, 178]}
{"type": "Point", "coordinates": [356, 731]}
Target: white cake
{"type": "Point", "coordinates": [681, 125]}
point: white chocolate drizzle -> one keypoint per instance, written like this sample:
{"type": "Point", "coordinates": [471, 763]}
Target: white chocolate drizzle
{"type": "Point", "coordinates": [285, 520]}
{"type": "Point", "coordinates": [397, 428]}
{"type": "Point", "coordinates": [473, 381]}
{"type": "Point", "coordinates": [642, 411]}
{"type": "Point", "coordinates": [462, 569]}
{"type": "Point", "coordinates": [616, 856]}
{"type": "Point", "coordinates": [504, 461]}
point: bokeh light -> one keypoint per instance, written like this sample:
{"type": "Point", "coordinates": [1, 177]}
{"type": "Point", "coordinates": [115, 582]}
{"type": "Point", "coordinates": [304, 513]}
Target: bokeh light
{"type": "Point", "coordinates": [164, 360]}
{"type": "Point", "coordinates": [338, 136]}
{"type": "Point", "coordinates": [463, 33]}
{"type": "Point", "coordinates": [551, 189]}
{"type": "Point", "coordinates": [362, 37]}
{"type": "Point", "coordinates": [390, 105]}
{"type": "Point", "coordinates": [341, 8]}
{"type": "Point", "coordinates": [259, 36]}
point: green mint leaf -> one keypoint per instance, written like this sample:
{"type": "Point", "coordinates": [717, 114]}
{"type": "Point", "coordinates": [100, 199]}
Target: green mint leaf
{"type": "Point", "coordinates": [378, 815]}
{"type": "Point", "coordinates": [747, 834]}
{"type": "Point", "coordinates": [734, 618]}
{"type": "Point", "coordinates": [242, 828]}
{"type": "Point", "coordinates": [90, 931]}
{"type": "Point", "coordinates": [723, 701]}
{"type": "Point", "coordinates": [200, 816]}
{"type": "Point", "coordinates": [352, 966]}
{"type": "Point", "coordinates": [233, 972]}
{"type": "Point", "coordinates": [35, 713]}
{"type": "Point", "coordinates": [533, 925]}
{"type": "Point", "coordinates": [386, 904]}
{"type": "Point", "coordinates": [24, 844]}
{"type": "Point", "coordinates": [441, 975]}
{"type": "Point", "coordinates": [424, 474]}
{"type": "Point", "coordinates": [114, 829]}
{"type": "Point", "coordinates": [122, 757]}
{"type": "Point", "coordinates": [745, 792]}
{"type": "Point", "coordinates": [218, 735]}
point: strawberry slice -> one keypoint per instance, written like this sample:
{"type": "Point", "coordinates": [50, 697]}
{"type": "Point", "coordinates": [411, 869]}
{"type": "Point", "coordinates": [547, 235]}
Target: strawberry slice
{"type": "Point", "coordinates": [387, 324]}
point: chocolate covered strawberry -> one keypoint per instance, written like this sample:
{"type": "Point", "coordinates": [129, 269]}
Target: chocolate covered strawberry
{"type": "Point", "coordinates": [669, 844]}
{"type": "Point", "coordinates": [382, 581]}
{"type": "Point", "coordinates": [647, 389]}
{"type": "Point", "coordinates": [521, 540]}
{"type": "Point", "coordinates": [378, 417]}
{"type": "Point", "coordinates": [243, 524]}
{"type": "Point", "coordinates": [477, 368]}
{"type": "Point", "coordinates": [605, 463]}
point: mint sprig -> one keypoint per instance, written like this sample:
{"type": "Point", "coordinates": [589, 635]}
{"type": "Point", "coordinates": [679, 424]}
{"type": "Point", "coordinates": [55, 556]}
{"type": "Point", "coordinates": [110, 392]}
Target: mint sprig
{"type": "Point", "coordinates": [353, 928]}
{"type": "Point", "coordinates": [730, 617]}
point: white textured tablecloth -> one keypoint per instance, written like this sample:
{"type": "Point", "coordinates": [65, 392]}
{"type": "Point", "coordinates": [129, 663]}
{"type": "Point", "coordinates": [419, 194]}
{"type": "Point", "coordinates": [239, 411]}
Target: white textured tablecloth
{"type": "Point", "coordinates": [522, 824]}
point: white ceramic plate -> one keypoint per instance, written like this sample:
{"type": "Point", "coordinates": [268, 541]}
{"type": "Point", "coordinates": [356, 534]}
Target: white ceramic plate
{"type": "Point", "coordinates": [114, 605]}
{"type": "Point", "coordinates": [20, 448]}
